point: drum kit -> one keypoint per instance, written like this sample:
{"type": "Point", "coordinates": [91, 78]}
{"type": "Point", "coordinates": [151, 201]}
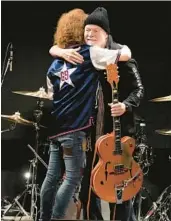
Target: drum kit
{"type": "Point", "coordinates": [31, 186]}
{"type": "Point", "coordinates": [161, 209]}
{"type": "Point", "coordinates": [16, 118]}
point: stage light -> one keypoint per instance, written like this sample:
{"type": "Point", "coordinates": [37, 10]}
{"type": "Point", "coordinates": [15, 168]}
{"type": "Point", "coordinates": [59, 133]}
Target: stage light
{"type": "Point", "coordinates": [27, 175]}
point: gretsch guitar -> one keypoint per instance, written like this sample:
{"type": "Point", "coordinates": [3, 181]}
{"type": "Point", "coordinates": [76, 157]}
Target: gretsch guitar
{"type": "Point", "coordinates": [116, 177]}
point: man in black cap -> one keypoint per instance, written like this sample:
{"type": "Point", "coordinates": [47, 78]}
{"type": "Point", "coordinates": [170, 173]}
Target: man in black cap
{"type": "Point", "coordinates": [97, 32]}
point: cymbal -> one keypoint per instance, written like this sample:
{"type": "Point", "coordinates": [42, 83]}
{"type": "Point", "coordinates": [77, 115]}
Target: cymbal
{"type": "Point", "coordinates": [164, 132]}
{"type": "Point", "coordinates": [41, 93]}
{"type": "Point", "coordinates": [16, 118]}
{"type": "Point", "coordinates": [159, 99]}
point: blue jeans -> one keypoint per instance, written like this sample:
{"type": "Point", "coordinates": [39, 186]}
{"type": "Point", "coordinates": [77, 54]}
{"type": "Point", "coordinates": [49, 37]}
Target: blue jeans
{"type": "Point", "coordinates": [54, 199]}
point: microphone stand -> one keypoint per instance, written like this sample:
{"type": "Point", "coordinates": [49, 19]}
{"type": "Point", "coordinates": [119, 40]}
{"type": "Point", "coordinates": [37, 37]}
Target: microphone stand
{"type": "Point", "coordinates": [7, 66]}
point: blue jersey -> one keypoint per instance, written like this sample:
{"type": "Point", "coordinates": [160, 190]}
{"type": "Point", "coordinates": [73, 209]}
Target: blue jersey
{"type": "Point", "coordinates": [74, 93]}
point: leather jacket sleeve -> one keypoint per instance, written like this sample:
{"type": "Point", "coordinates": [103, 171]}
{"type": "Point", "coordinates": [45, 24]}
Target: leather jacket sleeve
{"type": "Point", "coordinates": [137, 89]}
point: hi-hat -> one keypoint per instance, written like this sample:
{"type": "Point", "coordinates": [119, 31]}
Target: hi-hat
{"type": "Point", "coordinates": [41, 93]}
{"type": "Point", "coordinates": [16, 118]}
{"type": "Point", "coordinates": [160, 99]}
{"type": "Point", "coordinates": [164, 132]}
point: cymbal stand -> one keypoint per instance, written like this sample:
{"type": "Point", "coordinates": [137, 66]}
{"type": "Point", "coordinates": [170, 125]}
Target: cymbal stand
{"type": "Point", "coordinates": [16, 201]}
{"type": "Point", "coordinates": [31, 186]}
{"type": "Point", "coordinates": [34, 187]}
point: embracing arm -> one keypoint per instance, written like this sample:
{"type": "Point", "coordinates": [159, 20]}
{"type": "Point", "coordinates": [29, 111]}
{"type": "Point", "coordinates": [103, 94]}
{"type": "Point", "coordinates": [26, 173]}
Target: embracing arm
{"type": "Point", "coordinates": [55, 51]}
{"type": "Point", "coordinates": [125, 50]}
{"type": "Point", "coordinates": [101, 57]}
{"type": "Point", "coordinates": [125, 53]}
{"type": "Point", "coordinates": [71, 55]}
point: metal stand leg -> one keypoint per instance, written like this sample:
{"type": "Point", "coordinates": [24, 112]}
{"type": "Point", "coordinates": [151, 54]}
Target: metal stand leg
{"type": "Point", "coordinates": [15, 201]}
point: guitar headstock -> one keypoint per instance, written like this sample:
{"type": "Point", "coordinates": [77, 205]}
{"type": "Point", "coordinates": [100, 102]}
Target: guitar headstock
{"type": "Point", "coordinates": [112, 74]}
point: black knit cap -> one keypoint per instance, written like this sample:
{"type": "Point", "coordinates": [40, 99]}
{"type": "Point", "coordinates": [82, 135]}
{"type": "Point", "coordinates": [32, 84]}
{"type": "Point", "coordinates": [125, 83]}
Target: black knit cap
{"type": "Point", "coordinates": [99, 17]}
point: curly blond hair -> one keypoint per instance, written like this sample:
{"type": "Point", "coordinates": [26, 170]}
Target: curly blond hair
{"type": "Point", "coordinates": [70, 28]}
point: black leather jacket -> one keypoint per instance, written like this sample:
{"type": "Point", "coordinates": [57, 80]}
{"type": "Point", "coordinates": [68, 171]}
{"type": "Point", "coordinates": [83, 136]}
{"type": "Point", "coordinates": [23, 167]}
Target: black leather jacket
{"type": "Point", "coordinates": [131, 91]}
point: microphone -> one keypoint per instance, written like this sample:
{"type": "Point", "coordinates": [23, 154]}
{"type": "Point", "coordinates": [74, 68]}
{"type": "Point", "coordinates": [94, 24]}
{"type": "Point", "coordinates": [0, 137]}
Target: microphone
{"type": "Point", "coordinates": [11, 56]}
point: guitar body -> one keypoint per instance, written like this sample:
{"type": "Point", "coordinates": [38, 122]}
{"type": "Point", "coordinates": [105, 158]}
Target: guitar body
{"type": "Point", "coordinates": [114, 170]}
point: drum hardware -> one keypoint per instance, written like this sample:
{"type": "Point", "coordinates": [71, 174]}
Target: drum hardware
{"type": "Point", "coordinates": [34, 163]}
{"type": "Point", "coordinates": [40, 159]}
{"type": "Point", "coordinates": [164, 132]}
{"type": "Point", "coordinates": [144, 156]}
{"type": "Point", "coordinates": [161, 209]}
{"type": "Point", "coordinates": [162, 99]}
{"type": "Point", "coordinates": [16, 202]}
{"type": "Point", "coordinates": [144, 153]}
{"type": "Point", "coordinates": [17, 119]}
{"type": "Point", "coordinates": [11, 127]}
{"type": "Point", "coordinates": [41, 93]}
{"type": "Point", "coordinates": [31, 187]}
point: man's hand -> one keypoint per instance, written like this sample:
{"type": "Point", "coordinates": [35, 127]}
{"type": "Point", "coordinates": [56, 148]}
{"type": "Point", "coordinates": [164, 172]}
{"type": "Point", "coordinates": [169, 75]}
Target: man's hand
{"type": "Point", "coordinates": [117, 109]}
{"type": "Point", "coordinates": [72, 56]}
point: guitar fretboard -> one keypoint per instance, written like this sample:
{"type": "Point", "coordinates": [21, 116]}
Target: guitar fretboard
{"type": "Point", "coordinates": [116, 124]}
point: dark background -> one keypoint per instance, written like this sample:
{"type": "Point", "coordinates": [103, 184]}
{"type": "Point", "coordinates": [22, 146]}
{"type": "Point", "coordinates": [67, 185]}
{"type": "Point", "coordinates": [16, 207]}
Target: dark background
{"type": "Point", "coordinates": [143, 26]}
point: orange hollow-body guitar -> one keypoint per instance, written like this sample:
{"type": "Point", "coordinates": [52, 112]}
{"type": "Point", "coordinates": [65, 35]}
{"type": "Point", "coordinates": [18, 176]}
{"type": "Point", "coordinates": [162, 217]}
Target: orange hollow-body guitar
{"type": "Point", "coordinates": [116, 177]}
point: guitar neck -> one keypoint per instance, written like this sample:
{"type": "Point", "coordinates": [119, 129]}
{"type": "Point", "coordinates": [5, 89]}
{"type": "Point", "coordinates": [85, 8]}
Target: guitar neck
{"type": "Point", "coordinates": [116, 124]}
